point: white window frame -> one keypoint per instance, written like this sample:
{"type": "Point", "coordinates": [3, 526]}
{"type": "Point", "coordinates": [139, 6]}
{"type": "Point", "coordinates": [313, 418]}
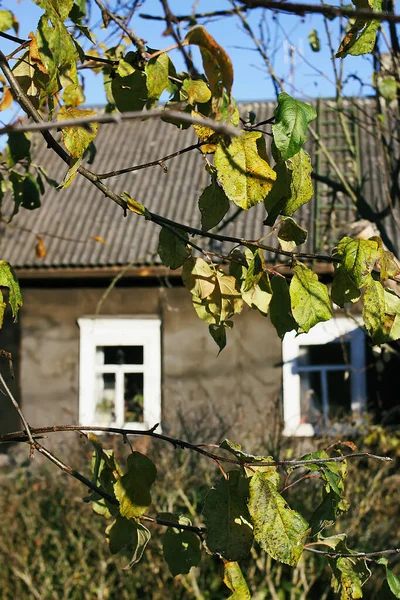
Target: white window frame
{"type": "Point", "coordinates": [121, 331]}
{"type": "Point", "coordinates": [343, 328]}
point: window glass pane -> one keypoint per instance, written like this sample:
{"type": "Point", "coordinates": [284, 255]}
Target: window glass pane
{"type": "Point", "coordinates": [105, 398]}
{"type": "Point", "coordinates": [339, 394]}
{"type": "Point", "coordinates": [133, 397]}
{"type": "Point", "coordinates": [311, 399]}
{"type": "Point", "coordinates": [119, 355]}
{"type": "Point", "coordinates": [334, 353]}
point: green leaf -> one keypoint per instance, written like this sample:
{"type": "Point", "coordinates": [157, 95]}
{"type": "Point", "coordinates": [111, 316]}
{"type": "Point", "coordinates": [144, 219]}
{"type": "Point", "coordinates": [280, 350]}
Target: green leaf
{"type": "Point", "coordinates": [392, 307]}
{"type": "Point", "coordinates": [216, 62]}
{"type": "Point", "coordinates": [25, 191]}
{"type": "Point", "coordinates": [105, 471]}
{"type": "Point", "coordinates": [357, 258]}
{"type": "Point", "coordinates": [77, 139]}
{"type": "Point", "coordinates": [172, 249]}
{"type": "Point", "coordinates": [57, 9]}
{"type": "Point", "coordinates": [387, 87]}
{"type": "Point", "coordinates": [129, 538]}
{"type": "Point", "coordinates": [56, 49]}
{"type": "Point", "coordinates": [344, 289]}
{"type": "Point", "coordinates": [181, 547]}
{"type": "Point", "coordinates": [218, 334]}
{"type": "Point", "coordinates": [213, 205]}
{"type": "Point", "coordinates": [129, 93]}
{"type": "Point", "coordinates": [18, 148]}
{"type": "Point", "coordinates": [278, 529]}
{"type": "Point", "coordinates": [245, 457]}
{"type": "Point", "coordinates": [157, 70]}
{"type": "Point", "coordinates": [389, 267]}
{"type": "Point", "coordinates": [196, 91]}
{"type": "Point", "coordinates": [315, 43]}
{"type": "Point", "coordinates": [9, 280]}
{"type": "Point", "coordinates": [290, 234]}
{"type": "Point", "coordinates": [229, 529]}
{"type": "Point", "coordinates": [70, 175]}
{"type": "Point", "coordinates": [6, 20]}
{"type": "Point", "coordinates": [292, 118]}
{"type": "Point", "coordinates": [245, 177]}
{"type": "Point", "coordinates": [348, 581]}
{"type": "Point", "coordinates": [361, 37]}
{"type": "Point", "coordinates": [309, 298]}
{"type": "Point", "coordinates": [133, 489]}
{"type": "Point", "coordinates": [280, 310]}
{"type": "Point", "coordinates": [327, 512]}
{"type": "Point", "coordinates": [377, 322]}
{"type": "Point", "coordinates": [392, 581]}
{"type": "Point", "coordinates": [198, 277]}
{"type": "Point", "coordinates": [78, 11]}
{"type": "Point", "coordinates": [234, 580]}
{"type": "Point", "coordinates": [226, 299]}
{"type": "Point", "coordinates": [292, 189]}
{"type": "Point", "coordinates": [259, 296]}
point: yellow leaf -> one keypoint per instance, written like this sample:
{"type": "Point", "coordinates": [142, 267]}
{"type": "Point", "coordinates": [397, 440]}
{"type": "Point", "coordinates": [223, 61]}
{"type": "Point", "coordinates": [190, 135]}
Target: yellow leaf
{"type": "Point", "coordinates": [7, 99]}
{"type": "Point", "coordinates": [40, 249]}
{"type": "Point", "coordinates": [97, 238]}
{"type": "Point", "coordinates": [77, 139]}
{"type": "Point", "coordinates": [216, 62]}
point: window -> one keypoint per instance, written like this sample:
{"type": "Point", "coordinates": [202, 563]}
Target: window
{"type": "Point", "coordinates": [120, 372]}
{"type": "Point", "coordinates": [323, 377]}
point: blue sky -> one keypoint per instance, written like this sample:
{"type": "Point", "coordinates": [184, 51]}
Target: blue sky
{"type": "Point", "coordinates": [251, 79]}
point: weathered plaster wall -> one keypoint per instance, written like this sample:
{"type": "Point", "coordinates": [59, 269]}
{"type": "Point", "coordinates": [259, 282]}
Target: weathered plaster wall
{"type": "Point", "coordinates": [237, 390]}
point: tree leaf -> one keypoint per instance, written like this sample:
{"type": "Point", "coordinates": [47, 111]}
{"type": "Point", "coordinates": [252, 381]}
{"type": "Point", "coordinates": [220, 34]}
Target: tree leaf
{"type": "Point", "coordinates": [133, 489]}
{"type": "Point", "coordinates": [218, 334]}
{"type": "Point", "coordinates": [106, 472]}
{"type": "Point", "coordinates": [278, 529]}
{"type": "Point", "coordinates": [314, 41]}
{"type": "Point", "coordinates": [75, 138]}
{"type": "Point", "coordinates": [280, 310]}
{"type": "Point", "coordinates": [229, 529]}
{"type": "Point", "coordinates": [216, 62]}
{"type": "Point", "coordinates": [129, 93]}
{"type": "Point", "coordinates": [181, 547]}
{"type": "Point", "coordinates": [361, 37]}
{"type": "Point", "coordinates": [9, 280]}
{"type": "Point", "coordinates": [290, 234]}
{"type": "Point", "coordinates": [196, 91]}
{"type": "Point", "coordinates": [377, 322]}
{"type": "Point", "coordinates": [6, 20]}
{"type": "Point", "coordinates": [213, 205]}
{"type": "Point", "coordinates": [358, 258]}
{"type": "Point", "coordinates": [389, 267]}
{"type": "Point", "coordinates": [292, 118]}
{"type": "Point", "coordinates": [172, 249]}
{"type": "Point", "coordinates": [18, 148]}
{"type": "Point", "coordinates": [292, 189]}
{"type": "Point", "coordinates": [157, 70]}
{"type": "Point", "coordinates": [387, 87]}
{"type": "Point", "coordinates": [56, 49]}
{"type": "Point", "coordinates": [309, 298]}
{"type": "Point", "coordinates": [198, 277]}
{"type": "Point", "coordinates": [128, 537]}
{"type": "Point", "coordinates": [245, 177]}
{"type": "Point", "coordinates": [344, 289]}
{"type": "Point", "coordinates": [225, 300]}
{"type": "Point", "coordinates": [25, 191]}
{"type": "Point", "coordinates": [234, 580]}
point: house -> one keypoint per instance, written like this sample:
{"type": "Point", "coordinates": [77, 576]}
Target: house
{"type": "Point", "coordinates": [138, 355]}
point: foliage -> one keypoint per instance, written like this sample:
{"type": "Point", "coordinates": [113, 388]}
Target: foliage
{"type": "Point", "coordinates": [246, 508]}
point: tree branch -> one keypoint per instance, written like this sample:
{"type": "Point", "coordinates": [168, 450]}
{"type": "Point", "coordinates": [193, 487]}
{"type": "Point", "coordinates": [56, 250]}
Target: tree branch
{"type": "Point", "coordinates": [178, 443]}
{"type": "Point", "coordinates": [366, 555]}
{"type": "Point", "coordinates": [332, 12]}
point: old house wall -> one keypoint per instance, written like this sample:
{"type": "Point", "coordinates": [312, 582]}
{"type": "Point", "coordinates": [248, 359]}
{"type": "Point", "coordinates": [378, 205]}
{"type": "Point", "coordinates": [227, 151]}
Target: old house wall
{"type": "Point", "coordinates": [235, 393]}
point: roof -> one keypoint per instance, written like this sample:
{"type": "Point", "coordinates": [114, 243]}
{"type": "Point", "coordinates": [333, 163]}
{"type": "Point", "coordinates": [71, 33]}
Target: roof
{"type": "Point", "coordinates": [69, 219]}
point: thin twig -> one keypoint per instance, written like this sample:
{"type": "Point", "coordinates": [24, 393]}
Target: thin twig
{"type": "Point", "coordinates": [152, 163]}
{"type": "Point", "coordinates": [353, 554]}
{"type": "Point", "coordinates": [25, 423]}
